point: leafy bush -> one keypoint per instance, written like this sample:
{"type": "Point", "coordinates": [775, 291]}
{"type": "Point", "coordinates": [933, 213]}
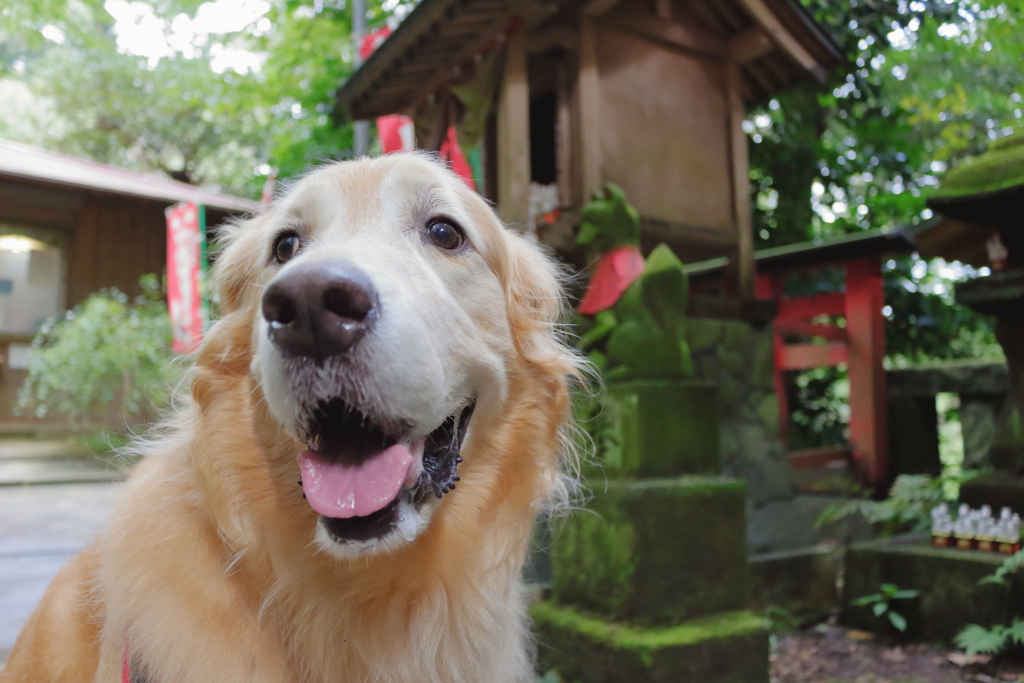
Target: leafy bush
{"type": "Point", "coordinates": [978, 639]}
{"type": "Point", "coordinates": [107, 355]}
{"type": "Point", "coordinates": [908, 506]}
{"type": "Point", "coordinates": [975, 638]}
{"type": "Point", "coordinates": [881, 603]}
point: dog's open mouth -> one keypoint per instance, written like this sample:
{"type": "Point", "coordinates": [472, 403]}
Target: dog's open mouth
{"type": "Point", "coordinates": [357, 476]}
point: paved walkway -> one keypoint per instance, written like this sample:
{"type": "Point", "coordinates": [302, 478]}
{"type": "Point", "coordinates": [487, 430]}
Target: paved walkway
{"type": "Point", "coordinates": [30, 461]}
{"type": "Point", "coordinates": [44, 520]}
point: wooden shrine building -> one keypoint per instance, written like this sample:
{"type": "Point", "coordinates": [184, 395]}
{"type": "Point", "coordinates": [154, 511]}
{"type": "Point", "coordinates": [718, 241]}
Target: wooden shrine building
{"type": "Point", "coordinates": [70, 227]}
{"type": "Point", "coordinates": [649, 95]}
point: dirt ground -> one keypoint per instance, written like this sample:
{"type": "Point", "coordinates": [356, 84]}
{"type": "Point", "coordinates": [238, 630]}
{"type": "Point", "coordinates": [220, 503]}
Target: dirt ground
{"type": "Point", "coordinates": [829, 654]}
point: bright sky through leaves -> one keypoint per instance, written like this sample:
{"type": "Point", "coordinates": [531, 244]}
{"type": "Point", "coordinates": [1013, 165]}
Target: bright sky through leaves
{"type": "Point", "coordinates": [142, 33]}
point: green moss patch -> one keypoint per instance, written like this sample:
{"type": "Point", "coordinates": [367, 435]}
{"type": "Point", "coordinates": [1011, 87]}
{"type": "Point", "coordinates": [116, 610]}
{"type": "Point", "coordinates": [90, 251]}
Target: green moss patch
{"type": "Point", "coordinates": [1000, 168]}
{"type": "Point", "coordinates": [657, 550]}
{"type": "Point", "coordinates": [726, 648]}
{"type": "Point", "coordinates": [644, 639]}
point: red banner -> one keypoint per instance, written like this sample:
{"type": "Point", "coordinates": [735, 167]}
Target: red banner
{"type": "Point", "coordinates": [185, 246]}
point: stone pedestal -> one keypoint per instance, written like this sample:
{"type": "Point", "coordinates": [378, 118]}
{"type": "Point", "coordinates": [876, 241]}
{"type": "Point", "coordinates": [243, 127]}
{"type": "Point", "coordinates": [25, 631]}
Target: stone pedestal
{"type": "Point", "coordinates": [950, 595]}
{"type": "Point", "coordinates": [1002, 295]}
{"type": "Point", "coordinates": [651, 582]}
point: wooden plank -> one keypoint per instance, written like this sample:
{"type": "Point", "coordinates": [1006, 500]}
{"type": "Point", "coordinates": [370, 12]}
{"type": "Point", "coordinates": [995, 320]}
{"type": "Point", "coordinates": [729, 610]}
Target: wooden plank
{"type": "Point", "coordinates": [806, 329]}
{"type": "Point", "coordinates": [451, 62]}
{"type": "Point", "coordinates": [818, 458]}
{"type": "Point", "coordinates": [514, 135]}
{"type": "Point", "coordinates": [675, 36]}
{"type": "Point", "coordinates": [589, 87]}
{"type": "Point", "coordinates": [743, 220]}
{"type": "Point", "coordinates": [749, 45]}
{"type": "Point", "coordinates": [596, 8]}
{"type": "Point", "coordinates": [810, 356]}
{"type": "Point", "coordinates": [783, 38]}
{"type": "Point", "coordinates": [663, 134]}
{"type": "Point", "coordinates": [557, 36]}
{"type": "Point", "coordinates": [866, 325]}
{"type": "Point", "coordinates": [807, 307]}
{"type": "Point", "coordinates": [564, 136]}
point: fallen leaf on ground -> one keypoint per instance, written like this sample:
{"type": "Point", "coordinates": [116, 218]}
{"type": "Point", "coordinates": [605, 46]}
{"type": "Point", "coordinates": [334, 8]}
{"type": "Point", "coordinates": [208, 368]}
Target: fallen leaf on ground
{"type": "Point", "coordinates": [894, 655]}
{"type": "Point", "coordinates": [961, 659]}
{"type": "Point", "coordinates": [859, 635]}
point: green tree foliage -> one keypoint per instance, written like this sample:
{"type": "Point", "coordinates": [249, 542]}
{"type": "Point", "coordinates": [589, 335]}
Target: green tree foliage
{"type": "Point", "coordinates": [929, 82]}
{"type": "Point", "coordinates": [176, 114]}
{"type": "Point", "coordinates": [106, 357]}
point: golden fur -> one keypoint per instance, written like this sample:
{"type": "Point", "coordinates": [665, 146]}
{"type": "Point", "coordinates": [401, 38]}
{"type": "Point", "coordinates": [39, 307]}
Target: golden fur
{"type": "Point", "coordinates": [209, 569]}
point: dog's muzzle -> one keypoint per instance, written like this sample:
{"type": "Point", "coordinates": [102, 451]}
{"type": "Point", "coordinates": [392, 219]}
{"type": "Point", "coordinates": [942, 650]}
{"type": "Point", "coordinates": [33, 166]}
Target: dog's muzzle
{"type": "Point", "coordinates": [320, 309]}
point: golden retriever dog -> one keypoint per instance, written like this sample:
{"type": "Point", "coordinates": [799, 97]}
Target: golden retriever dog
{"type": "Point", "coordinates": [348, 494]}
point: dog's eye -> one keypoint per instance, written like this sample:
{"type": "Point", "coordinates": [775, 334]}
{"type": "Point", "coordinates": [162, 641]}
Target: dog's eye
{"type": "Point", "coordinates": [444, 234]}
{"type": "Point", "coordinates": [285, 247]}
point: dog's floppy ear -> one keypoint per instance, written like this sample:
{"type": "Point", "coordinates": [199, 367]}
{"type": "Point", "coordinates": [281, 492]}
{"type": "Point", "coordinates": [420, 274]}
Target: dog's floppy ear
{"type": "Point", "coordinates": [535, 300]}
{"type": "Point", "coordinates": [237, 265]}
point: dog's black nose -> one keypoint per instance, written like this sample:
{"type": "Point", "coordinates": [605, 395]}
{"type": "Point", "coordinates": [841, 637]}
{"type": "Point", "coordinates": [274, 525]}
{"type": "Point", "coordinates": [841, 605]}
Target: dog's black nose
{"type": "Point", "coordinates": [319, 309]}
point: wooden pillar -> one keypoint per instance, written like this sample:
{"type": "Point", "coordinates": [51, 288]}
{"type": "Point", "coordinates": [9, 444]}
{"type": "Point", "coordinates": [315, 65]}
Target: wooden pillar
{"type": "Point", "coordinates": [590, 109]}
{"type": "Point", "coordinates": [771, 287]}
{"type": "Point", "coordinates": [743, 282]}
{"type": "Point", "coordinates": [865, 327]}
{"type": "Point", "coordinates": [514, 136]}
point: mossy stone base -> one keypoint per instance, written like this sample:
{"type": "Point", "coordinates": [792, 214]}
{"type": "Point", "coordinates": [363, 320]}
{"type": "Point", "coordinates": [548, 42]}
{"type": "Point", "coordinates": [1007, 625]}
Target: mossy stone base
{"type": "Point", "coordinates": [666, 428]}
{"type": "Point", "coordinates": [657, 551]}
{"type": "Point", "coordinates": [725, 648]}
{"type": "Point", "coordinates": [997, 489]}
{"type": "Point", "coordinates": [950, 597]}
{"type": "Point", "coordinates": [802, 581]}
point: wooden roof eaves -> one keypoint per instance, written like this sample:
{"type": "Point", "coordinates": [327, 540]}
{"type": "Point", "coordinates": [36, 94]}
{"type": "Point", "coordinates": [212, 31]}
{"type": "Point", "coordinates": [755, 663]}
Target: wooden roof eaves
{"type": "Point", "coordinates": [810, 47]}
{"type": "Point", "coordinates": [390, 53]}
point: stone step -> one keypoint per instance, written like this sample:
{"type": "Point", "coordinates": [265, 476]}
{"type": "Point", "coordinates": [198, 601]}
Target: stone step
{"type": "Point", "coordinates": [723, 648]}
{"type": "Point", "coordinates": [802, 580]}
{"type": "Point", "coordinates": [661, 429]}
{"type": "Point", "coordinates": [663, 550]}
{"type": "Point", "coordinates": [56, 470]}
{"type": "Point", "coordinates": [947, 578]}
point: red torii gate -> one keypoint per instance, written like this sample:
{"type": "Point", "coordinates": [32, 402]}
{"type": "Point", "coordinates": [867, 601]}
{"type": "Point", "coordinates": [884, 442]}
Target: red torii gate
{"type": "Point", "coordinates": [860, 344]}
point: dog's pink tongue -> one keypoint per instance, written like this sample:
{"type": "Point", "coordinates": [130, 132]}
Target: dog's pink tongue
{"type": "Point", "coordinates": [342, 490]}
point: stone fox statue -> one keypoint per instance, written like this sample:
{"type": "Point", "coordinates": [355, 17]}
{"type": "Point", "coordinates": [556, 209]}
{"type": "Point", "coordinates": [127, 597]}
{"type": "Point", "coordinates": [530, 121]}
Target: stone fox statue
{"type": "Point", "coordinates": [633, 315]}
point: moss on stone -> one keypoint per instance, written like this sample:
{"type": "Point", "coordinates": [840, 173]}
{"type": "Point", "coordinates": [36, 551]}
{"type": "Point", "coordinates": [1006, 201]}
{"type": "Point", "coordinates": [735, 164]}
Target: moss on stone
{"type": "Point", "coordinates": [768, 415]}
{"type": "Point", "coordinates": [652, 428]}
{"type": "Point", "coordinates": [703, 333]}
{"type": "Point", "coordinates": [683, 555]}
{"type": "Point", "coordinates": [726, 648]}
{"type": "Point", "coordinates": [597, 553]}
{"type": "Point", "coordinates": [999, 168]}
{"type": "Point", "coordinates": [651, 638]}
{"type": "Point", "coordinates": [950, 595]}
